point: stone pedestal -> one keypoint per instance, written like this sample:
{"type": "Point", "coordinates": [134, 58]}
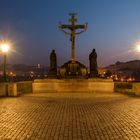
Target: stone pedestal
{"type": "Point", "coordinates": [73, 85]}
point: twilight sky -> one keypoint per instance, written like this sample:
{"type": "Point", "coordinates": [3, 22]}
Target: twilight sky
{"type": "Point", "coordinates": [32, 28]}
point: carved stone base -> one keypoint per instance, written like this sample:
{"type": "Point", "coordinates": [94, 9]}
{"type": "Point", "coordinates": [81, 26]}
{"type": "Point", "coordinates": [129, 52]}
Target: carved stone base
{"type": "Point", "coordinates": [73, 70]}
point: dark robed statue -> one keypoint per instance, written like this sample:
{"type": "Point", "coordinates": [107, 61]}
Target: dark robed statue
{"type": "Point", "coordinates": [53, 65]}
{"type": "Point", "coordinates": [93, 64]}
{"type": "Point", "coordinates": [53, 60]}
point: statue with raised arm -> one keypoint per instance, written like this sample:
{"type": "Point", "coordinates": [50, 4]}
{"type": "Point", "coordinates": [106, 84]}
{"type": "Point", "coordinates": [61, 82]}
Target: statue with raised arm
{"type": "Point", "coordinates": [93, 64]}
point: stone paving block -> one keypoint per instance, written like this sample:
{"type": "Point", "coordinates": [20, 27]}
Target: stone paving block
{"type": "Point", "coordinates": [70, 116]}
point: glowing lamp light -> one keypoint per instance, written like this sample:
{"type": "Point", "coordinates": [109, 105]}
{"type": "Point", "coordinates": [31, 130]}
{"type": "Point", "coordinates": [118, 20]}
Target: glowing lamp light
{"type": "Point", "coordinates": [138, 48]}
{"type": "Point", "coordinates": [5, 48]}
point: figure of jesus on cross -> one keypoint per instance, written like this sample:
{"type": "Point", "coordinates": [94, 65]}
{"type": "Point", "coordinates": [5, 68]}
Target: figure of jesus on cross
{"type": "Point", "coordinates": [73, 27]}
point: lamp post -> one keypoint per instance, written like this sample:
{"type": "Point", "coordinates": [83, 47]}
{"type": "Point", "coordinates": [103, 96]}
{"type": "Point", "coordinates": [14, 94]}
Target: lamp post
{"type": "Point", "coordinates": [4, 48]}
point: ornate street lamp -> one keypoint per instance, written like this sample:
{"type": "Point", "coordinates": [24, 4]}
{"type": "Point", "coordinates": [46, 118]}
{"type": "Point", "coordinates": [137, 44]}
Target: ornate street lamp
{"type": "Point", "coordinates": [4, 48]}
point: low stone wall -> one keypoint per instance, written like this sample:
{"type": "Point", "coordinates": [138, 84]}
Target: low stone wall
{"type": "Point", "coordinates": [136, 88]}
{"type": "Point", "coordinates": [3, 89]}
{"type": "Point", "coordinates": [126, 87]}
{"type": "Point", "coordinates": [24, 87]}
{"type": "Point", "coordinates": [123, 87]}
{"type": "Point", "coordinates": [73, 85]}
{"type": "Point", "coordinates": [101, 85]}
{"type": "Point", "coordinates": [14, 89]}
{"type": "Point", "coordinates": [85, 85]}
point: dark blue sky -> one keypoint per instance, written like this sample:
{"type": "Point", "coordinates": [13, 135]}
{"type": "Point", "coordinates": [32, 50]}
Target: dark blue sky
{"type": "Point", "coordinates": [32, 27]}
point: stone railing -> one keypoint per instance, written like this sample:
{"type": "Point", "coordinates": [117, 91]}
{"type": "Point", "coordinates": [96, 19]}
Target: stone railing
{"type": "Point", "coordinates": [123, 87]}
{"type": "Point", "coordinates": [14, 89]}
{"type": "Point", "coordinates": [24, 87]}
{"type": "Point", "coordinates": [3, 89]}
{"type": "Point", "coordinates": [50, 85]}
{"type": "Point", "coordinates": [126, 87]}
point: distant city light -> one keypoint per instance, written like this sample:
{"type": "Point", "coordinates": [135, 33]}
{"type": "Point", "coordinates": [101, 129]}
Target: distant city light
{"type": "Point", "coordinates": [4, 48]}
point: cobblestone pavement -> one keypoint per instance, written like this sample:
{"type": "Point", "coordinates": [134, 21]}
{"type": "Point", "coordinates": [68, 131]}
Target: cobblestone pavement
{"type": "Point", "coordinates": [70, 116]}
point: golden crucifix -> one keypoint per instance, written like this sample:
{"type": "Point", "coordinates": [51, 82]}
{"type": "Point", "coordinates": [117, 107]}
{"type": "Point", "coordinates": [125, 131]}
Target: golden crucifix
{"type": "Point", "coordinates": [73, 27]}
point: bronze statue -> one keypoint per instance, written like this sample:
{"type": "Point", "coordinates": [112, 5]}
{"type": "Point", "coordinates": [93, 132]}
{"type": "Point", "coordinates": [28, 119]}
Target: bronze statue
{"type": "Point", "coordinates": [53, 65]}
{"type": "Point", "coordinates": [93, 64]}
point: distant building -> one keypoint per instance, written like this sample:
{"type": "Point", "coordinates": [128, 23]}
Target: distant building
{"type": "Point", "coordinates": [21, 72]}
{"type": "Point", "coordinates": [125, 70]}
